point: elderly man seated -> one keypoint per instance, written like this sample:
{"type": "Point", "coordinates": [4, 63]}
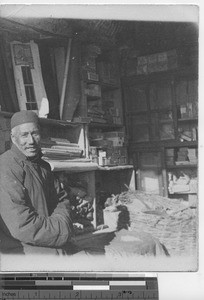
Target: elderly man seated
{"type": "Point", "coordinates": [33, 218]}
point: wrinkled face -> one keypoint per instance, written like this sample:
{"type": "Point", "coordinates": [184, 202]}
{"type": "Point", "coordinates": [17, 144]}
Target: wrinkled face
{"type": "Point", "coordinates": [27, 138]}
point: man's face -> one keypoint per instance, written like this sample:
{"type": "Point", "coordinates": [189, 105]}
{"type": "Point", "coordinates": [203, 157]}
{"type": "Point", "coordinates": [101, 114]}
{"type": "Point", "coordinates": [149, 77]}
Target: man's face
{"type": "Point", "coordinates": [27, 138]}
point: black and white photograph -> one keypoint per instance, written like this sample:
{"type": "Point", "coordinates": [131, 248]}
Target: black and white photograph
{"type": "Point", "coordinates": [99, 138]}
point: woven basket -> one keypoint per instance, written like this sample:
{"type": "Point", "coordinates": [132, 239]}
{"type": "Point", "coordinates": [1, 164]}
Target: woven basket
{"type": "Point", "coordinates": [172, 221]}
{"type": "Point", "coordinates": [178, 234]}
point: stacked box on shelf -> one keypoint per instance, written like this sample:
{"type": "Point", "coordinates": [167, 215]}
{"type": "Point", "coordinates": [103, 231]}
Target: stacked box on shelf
{"type": "Point", "coordinates": [112, 145]}
{"type": "Point", "coordinates": [188, 132]}
{"type": "Point", "coordinates": [182, 155]}
{"type": "Point", "coordinates": [188, 110]}
{"type": "Point", "coordinates": [117, 137]}
{"type": "Point", "coordinates": [157, 62]}
{"type": "Point", "coordinates": [117, 155]}
{"type": "Point", "coordinates": [192, 155]}
{"type": "Point", "coordinates": [170, 157]}
{"type": "Point", "coordinates": [187, 99]}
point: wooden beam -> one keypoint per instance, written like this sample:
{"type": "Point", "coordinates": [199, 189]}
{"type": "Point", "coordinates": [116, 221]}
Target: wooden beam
{"type": "Point", "coordinates": [66, 71]}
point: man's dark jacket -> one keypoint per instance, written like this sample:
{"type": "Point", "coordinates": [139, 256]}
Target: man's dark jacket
{"type": "Point", "coordinates": [31, 218]}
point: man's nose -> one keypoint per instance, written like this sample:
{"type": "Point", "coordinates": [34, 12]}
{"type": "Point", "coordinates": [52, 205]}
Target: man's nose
{"type": "Point", "coordinates": [30, 139]}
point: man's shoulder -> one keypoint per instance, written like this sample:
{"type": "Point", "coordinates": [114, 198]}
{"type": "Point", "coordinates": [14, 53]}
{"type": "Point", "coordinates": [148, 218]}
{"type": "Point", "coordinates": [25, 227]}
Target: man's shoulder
{"type": "Point", "coordinates": [8, 159]}
{"type": "Point", "coordinates": [6, 156]}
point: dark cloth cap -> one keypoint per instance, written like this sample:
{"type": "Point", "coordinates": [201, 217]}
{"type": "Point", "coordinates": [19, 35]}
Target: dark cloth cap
{"type": "Point", "coordinates": [24, 116]}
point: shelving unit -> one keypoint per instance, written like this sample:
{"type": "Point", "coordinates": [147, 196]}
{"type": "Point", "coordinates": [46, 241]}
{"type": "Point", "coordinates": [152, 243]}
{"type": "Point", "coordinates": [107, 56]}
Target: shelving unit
{"type": "Point", "coordinates": [161, 113]}
{"type": "Point", "coordinates": [104, 106]}
{"type": "Point", "coordinates": [107, 137]}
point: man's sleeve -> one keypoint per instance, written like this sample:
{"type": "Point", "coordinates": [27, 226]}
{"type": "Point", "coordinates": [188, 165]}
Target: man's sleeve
{"type": "Point", "coordinates": [23, 222]}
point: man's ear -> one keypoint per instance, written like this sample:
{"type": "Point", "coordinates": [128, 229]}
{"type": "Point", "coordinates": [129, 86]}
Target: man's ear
{"type": "Point", "coordinates": [13, 138]}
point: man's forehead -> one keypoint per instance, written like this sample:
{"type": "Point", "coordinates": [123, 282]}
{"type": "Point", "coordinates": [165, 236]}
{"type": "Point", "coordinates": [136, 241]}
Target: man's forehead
{"type": "Point", "coordinates": [26, 127]}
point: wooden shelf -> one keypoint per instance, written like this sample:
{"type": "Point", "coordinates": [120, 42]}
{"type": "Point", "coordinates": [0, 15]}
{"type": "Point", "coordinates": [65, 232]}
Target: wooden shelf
{"type": "Point", "coordinates": [166, 121]}
{"type": "Point", "coordinates": [190, 72]}
{"type": "Point", "coordinates": [159, 144]}
{"type": "Point", "coordinates": [83, 166]}
{"type": "Point", "coordinates": [183, 193]}
{"type": "Point", "coordinates": [104, 125]}
{"type": "Point", "coordinates": [115, 168]}
{"type": "Point", "coordinates": [188, 120]}
{"type": "Point", "coordinates": [184, 166]}
{"type": "Point", "coordinates": [62, 123]}
{"type": "Point", "coordinates": [72, 166]}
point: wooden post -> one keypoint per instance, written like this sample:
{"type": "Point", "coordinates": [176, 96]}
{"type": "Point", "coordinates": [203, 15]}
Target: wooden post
{"type": "Point", "coordinates": [66, 71]}
{"type": "Point", "coordinates": [92, 192]}
{"type": "Point", "coordinates": [89, 177]}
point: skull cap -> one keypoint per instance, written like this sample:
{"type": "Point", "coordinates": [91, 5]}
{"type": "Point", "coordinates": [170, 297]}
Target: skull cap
{"type": "Point", "coordinates": [24, 116]}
